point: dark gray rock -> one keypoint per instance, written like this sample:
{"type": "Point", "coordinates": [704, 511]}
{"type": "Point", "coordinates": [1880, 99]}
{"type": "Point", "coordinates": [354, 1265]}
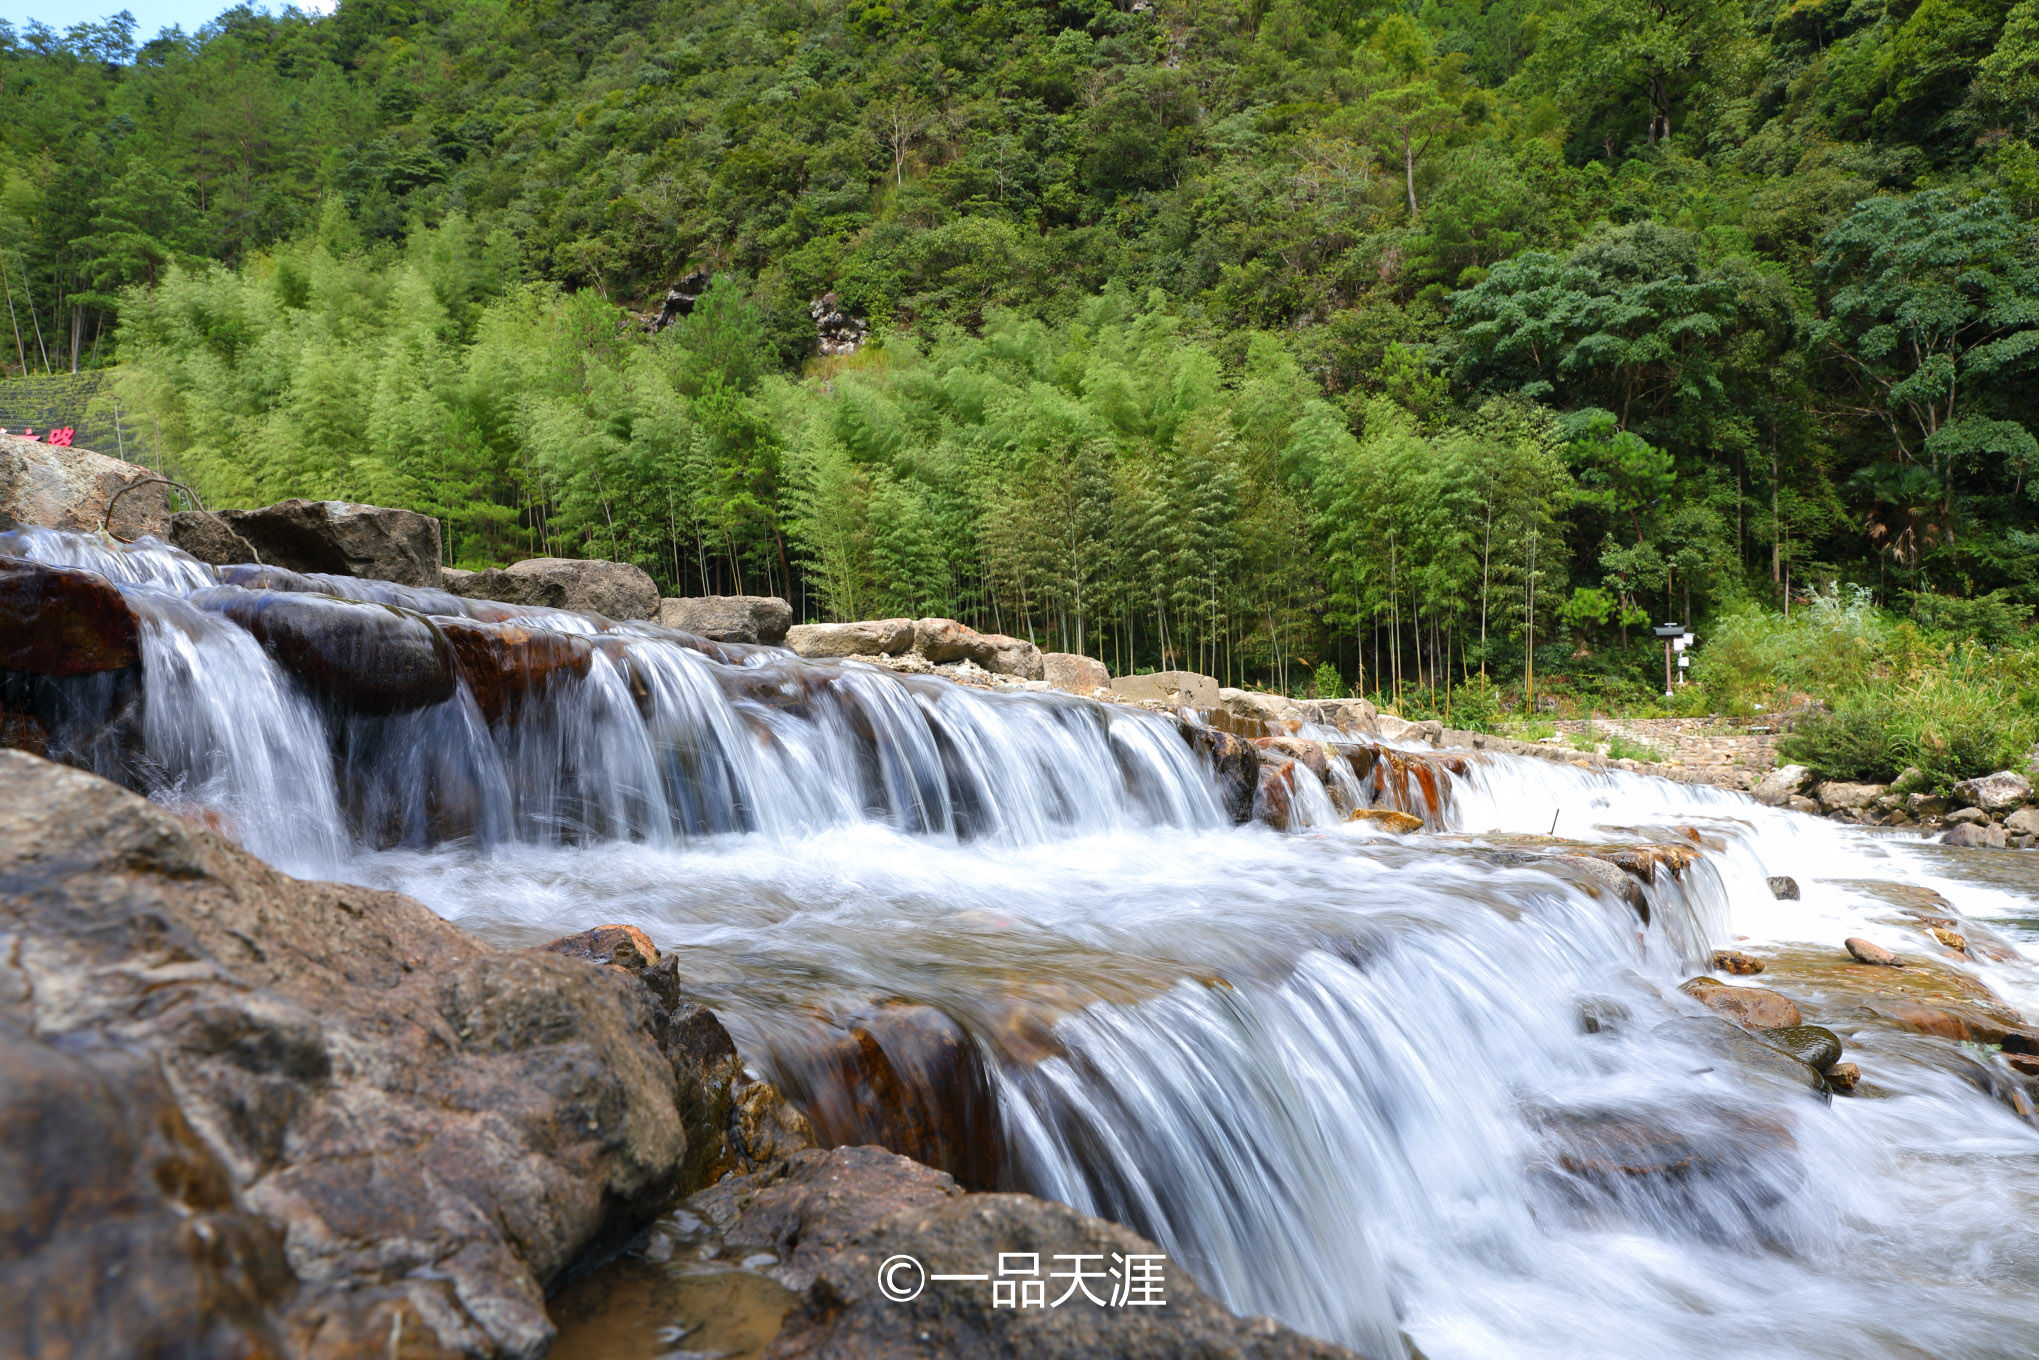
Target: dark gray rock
{"type": "Point", "coordinates": [343, 539]}
{"type": "Point", "coordinates": [369, 658]}
{"type": "Point", "coordinates": [208, 538]}
{"type": "Point", "coordinates": [1784, 888]}
{"type": "Point", "coordinates": [615, 590]}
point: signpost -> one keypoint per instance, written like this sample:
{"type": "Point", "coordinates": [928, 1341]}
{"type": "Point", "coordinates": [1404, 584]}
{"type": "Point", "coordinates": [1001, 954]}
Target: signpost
{"type": "Point", "coordinates": [1676, 640]}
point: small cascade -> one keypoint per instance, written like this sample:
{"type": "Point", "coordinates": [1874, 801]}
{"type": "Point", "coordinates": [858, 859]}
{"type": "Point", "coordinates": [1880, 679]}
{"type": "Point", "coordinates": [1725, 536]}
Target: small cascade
{"type": "Point", "coordinates": [1437, 1090]}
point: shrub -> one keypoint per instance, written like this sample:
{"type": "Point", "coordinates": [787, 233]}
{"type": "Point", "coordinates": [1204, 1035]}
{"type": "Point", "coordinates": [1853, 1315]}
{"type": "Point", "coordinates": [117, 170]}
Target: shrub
{"type": "Point", "coordinates": [1476, 705]}
{"type": "Point", "coordinates": [1327, 683]}
{"type": "Point", "coordinates": [1853, 742]}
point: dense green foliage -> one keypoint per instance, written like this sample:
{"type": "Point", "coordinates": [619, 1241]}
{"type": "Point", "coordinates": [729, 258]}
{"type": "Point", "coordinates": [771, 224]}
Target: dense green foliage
{"type": "Point", "coordinates": [1254, 337]}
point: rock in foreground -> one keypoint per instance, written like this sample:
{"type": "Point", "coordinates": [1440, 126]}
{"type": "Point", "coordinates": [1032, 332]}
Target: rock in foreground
{"type": "Point", "coordinates": [303, 1118]}
{"type": "Point", "coordinates": [833, 1218]}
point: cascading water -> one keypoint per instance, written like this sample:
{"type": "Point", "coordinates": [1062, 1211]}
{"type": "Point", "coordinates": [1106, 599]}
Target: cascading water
{"type": "Point", "coordinates": [1347, 1079]}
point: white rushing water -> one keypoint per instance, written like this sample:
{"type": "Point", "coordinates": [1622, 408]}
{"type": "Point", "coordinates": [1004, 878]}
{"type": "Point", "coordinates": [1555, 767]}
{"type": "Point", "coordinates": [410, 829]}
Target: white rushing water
{"type": "Point", "coordinates": [1344, 1078]}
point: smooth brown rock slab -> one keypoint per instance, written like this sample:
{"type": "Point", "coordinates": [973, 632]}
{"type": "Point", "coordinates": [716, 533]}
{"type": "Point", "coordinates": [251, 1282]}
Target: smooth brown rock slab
{"type": "Point", "coordinates": [832, 1218]}
{"type": "Point", "coordinates": [220, 1077]}
{"type": "Point", "coordinates": [56, 621]}
{"type": "Point", "coordinates": [1756, 1007]}
{"type": "Point", "coordinates": [506, 664]}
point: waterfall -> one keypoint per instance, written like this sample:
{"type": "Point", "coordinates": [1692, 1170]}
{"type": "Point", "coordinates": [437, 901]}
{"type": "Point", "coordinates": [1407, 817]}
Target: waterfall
{"type": "Point", "coordinates": [1385, 1089]}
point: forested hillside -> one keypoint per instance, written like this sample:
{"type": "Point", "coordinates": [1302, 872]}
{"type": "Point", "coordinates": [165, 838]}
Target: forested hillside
{"type": "Point", "coordinates": [1240, 336]}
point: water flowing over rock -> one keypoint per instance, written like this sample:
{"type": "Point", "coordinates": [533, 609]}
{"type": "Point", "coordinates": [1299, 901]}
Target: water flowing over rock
{"type": "Point", "coordinates": [1235, 765]}
{"type": "Point", "coordinates": [368, 657]}
{"type": "Point", "coordinates": [65, 488]}
{"type": "Point", "coordinates": [507, 665]}
{"type": "Point", "coordinates": [871, 637]}
{"type": "Point", "coordinates": [59, 622]}
{"type": "Point", "coordinates": [615, 590]}
{"type": "Point", "coordinates": [343, 539]}
{"type": "Point", "coordinates": [729, 618]}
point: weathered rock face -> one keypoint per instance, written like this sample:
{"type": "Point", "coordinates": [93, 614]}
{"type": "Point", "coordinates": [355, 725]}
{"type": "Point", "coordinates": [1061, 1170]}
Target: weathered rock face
{"type": "Point", "coordinates": [221, 1078]}
{"type": "Point", "coordinates": [1839, 797]}
{"type": "Point", "coordinates": [343, 539]}
{"type": "Point", "coordinates": [2023, 822]}
{"type": "Point", "coordinates": [1778, 787]}
{"type": "Point", "coordinates": [832, 1218]}
{"type": "Point", "coordinates": [1997, 793]}
{"type": "Point", "coordinates": [54, 621]}
{"type": "Point", "coordinates": [1399, 729]}
{"type": "Point", "coordinates": [1267, 709]}
{"type": "Point", "coordinates": [1975, 836]}
{"type": "Point", "coordinates": [58, 488]}
{"type": "Point", "coordinates": [942, 640]}
{"type": "Point", "coordinates": [1169, 687]}
{"type": "Point", "coordinates": [1354, 717]}
{"type": "Point", "coordinates": [367, 657]}
{"type": "Point", "coordinates": [1235, 766]}
{"type": "Point", "coordinates": [207, 538]}
{"type": "Point", "coordinates": [505, 664]}
{"type": "Point", "coordinates": [1074, 672]}
{"type": "Point", "coordinates": [729, 618]}
{"type": "Point", "coordinates": [870, 637]}
{"type": "Point", "coordinates": [617, 590]}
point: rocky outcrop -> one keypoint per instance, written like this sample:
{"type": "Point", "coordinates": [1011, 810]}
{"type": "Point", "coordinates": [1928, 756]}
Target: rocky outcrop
{"type": "Point", "coordinates": [47, 486]}
{"type": "Point", "coordinates": [368, 658]}
{"type": "Point", "coordinates": [55, 621]}
{"type": "Point", "coordinates": [870, 637]}
{"type": "Point", "coordinates": [1235, 768]}
{"type": "Point", "coordinates": [836, 332]}
{"type": "Point", "coordinates": [830, 1220]}
{"type": "Point", "coordinates": [303, 1118]}
{"type": "Point", "coordinates": [1074, 672]}
{"type": "Point", "coordinates": [1169, 687]}
{"type": "Point", "coordinates": [339, 538]}
{"type": "Point", "coordinates": [943, 640]}
{"type": "Point", "coordinates": [729, 618]}
{"type": "Point", "coordinates": [615, 590]}
{"type": "Point", "coordinates": [1995, 793]}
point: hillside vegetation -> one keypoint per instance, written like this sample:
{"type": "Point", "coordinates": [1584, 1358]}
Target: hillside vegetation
{"type": "Point", "coordinates": [1254, 338]}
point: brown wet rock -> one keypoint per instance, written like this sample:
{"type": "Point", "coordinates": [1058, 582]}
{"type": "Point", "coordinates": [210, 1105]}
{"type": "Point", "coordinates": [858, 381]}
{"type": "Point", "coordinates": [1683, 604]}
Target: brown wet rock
{"type": "Point", "coordinates": [1869, 952]}
{"type": "Point", "coordinates": [624, 947]}
{"type": "Point", "coordinates": [1813, 1045]}
{"type": "Point", "coordinates": [507, 664]}
{"type": "Point", "coordinates": [906, 1077]}
{"type": "Point", "coordinates": [833, 1218]}
{"type": "Point", "coordinates": [1736, 962]}
{"type": "Point", "coordinates": [1311, 755]}
{"type": "Point", "coordinates": [432, 1130]}
{"type": "Point", "coordinates": [1274, 797]}
{"type": "Point", "coordinates": [1949, 939]}
{"type": "Point", "coordinates": [1386, 819]}
{"type": "Point", "coordinates": [1740, 1050]}
{"type": "Point", "coordinates": [1924, 997]}
{"type": "Point", "coordinates": [369, 658]}
{"type": "Point", "coordinates": [1755, 1007]}
{"type": "Point", "coordinates": [23, 732]}
{"type": "Point", "coordinates": [1711, 1143]}
{"type": "Point", "coordinates": [1235, 765]}
{"type": "Point", "coordinates": [56, 621]}
{"type": "Point", "coordinates": [1843, 1078]}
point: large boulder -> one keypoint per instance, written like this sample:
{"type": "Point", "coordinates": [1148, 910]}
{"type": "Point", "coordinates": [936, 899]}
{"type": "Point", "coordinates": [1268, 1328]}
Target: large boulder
{"type": "Point", "coordinates": [870, 637]}
{"type": "Point", "coordinates": [56, 621]}
{"type": "Point", "coordinates": [206, 537]}
{"type": "Point", "coordinates": [341, 538]}
{"type": "Point", "coordinates": [831, 1219]}
{"type": "Point", "coordinates": [1837, 796]}
{"type": "Point", "coordinates": [1781, 785]}
{"type": "Point", "coordinates": [370, 658]}
{"type": "Point", "coordinates": [729, 618]}
{"type": "Point", "coordinates": [616, 590]}
{"type": "Point", "coordinates": [1270, 710]}
{"type": "Point", "coordinates": [1074, 672]}
{"type": "Point", "coordinates": [1169, 687]}
{"type": "Point", "coordinates": [302, 1119]}
{"type": "Point", "coordinates": [58, 488]}
{"type": "Point", "coordinates": [506, 664]}
{"type": "Point", "coordinates": [943, 640]}
{"type": "Point", "coordinates": [1999, 792]}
